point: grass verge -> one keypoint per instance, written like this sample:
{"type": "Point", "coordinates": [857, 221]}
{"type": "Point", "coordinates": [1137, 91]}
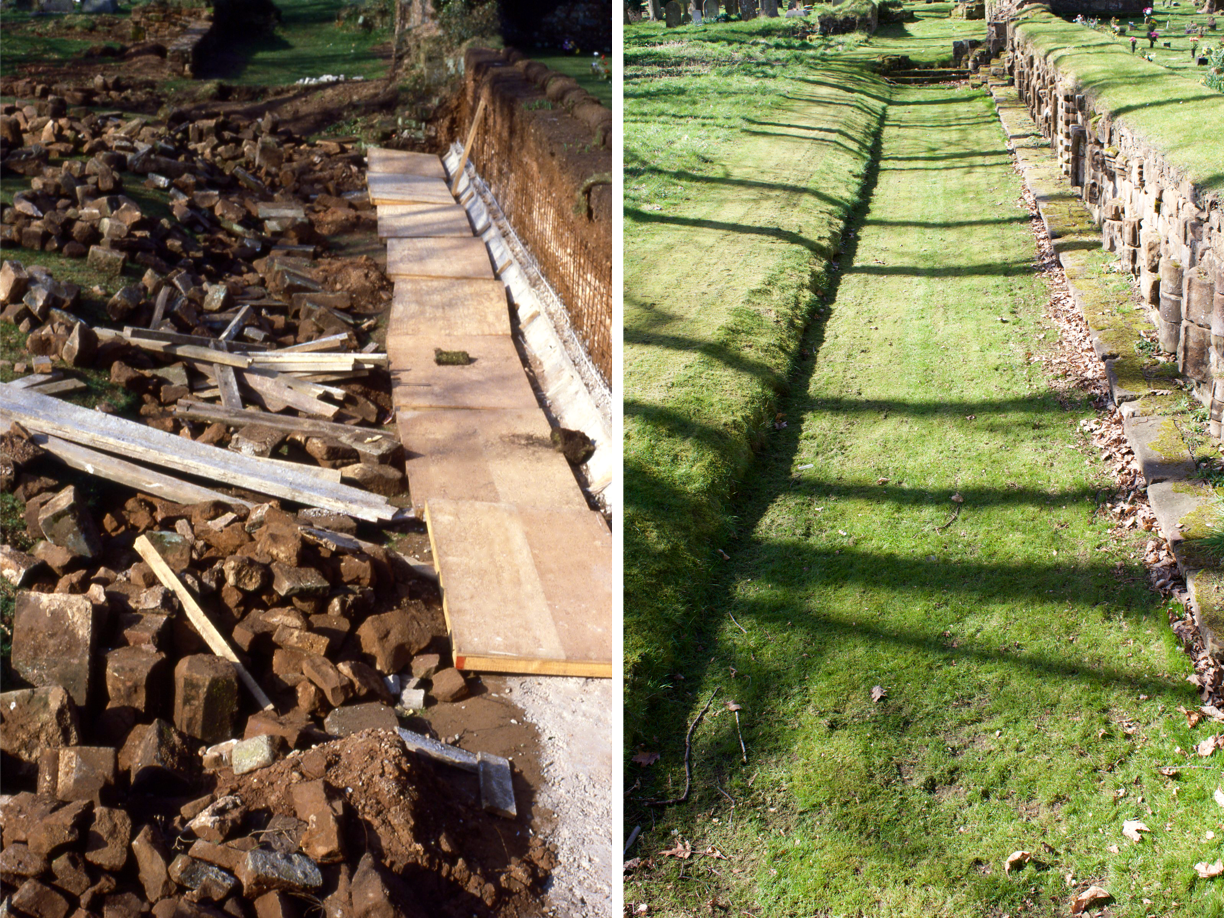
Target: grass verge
{"type": "Point", "coordinates": [742, 160]}
{"type": "Point", "coordinates": [927, 684]}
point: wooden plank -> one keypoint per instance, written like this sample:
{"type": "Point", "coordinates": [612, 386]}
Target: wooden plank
{"type": "Point", "coordinates": [329, 343]}
{"type": "Point", "coordinates": [495, 378]}
{"type": "Point", "coordinates": [467, 146]}
{"type": "Point", "coordinates": [44, 414]}
{"type": "Point", "coordinates": [492, 456]}
{"type": "Point", "coordinates": [235, 326]}
{"type": "Point", "coordinates": [405, 162]}
{"type": "Point", "coordinates": [153, 334]}
{"type": "Point", "coordinates": [206, 629]}
{"type": "Point", "coordinates": [410, 220]}
{"type": "Point", "coordinates": [273, 391]}
{"type": "Point", "coordinates": [525, 590]}
{"type": "Point", "coordinates": [191, 352]}
{"type": "Point", "coordinates": [438, 256]}
{"type": "Point", "coordinates": [396, 188]}
{"type": "Point", "coordinates": [449, 306]}
{"type": "Point", "coordinates": [127, 473]}
{"type": "Point", "coordinates": [227, 385]}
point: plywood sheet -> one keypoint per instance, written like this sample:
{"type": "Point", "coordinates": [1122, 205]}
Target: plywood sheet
{"type": "Point", "coordinates": [495, 378]}
{"type": "Point", "coordinates": [414, 220]}
{"type": "Point", "coordinates": [432, 256]}
{"type": "Point", "coordinates": [487, 456]}
{"type": "Point", "coordinates": [525, 590]}
{"type": "Point", "coordinates": [393, 188]}
{"type": "Point", "coordinates": [441, 306]}
{"type": "Point", "coordinates": [405, 162]}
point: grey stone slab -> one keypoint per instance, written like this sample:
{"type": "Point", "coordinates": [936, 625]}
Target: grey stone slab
{"type": "Point", "coordinates": [1172, 501]}
{"type": "Point", "coordinates": [496, 785]}
{"type": "Point", "coordinates": [1159, 448]}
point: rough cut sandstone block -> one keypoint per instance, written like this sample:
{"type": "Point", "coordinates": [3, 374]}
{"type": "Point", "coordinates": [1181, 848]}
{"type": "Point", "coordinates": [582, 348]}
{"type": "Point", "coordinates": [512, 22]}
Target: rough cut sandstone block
{"type": "Point", "coordinates": [205, 698]}
{"type": "Point", "coordinates": [54, 635]}
{"type": "Point", "coordinates": [32, 720]}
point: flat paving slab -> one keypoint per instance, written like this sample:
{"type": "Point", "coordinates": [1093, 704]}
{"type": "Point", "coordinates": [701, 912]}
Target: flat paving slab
{"type": "Point", "coordinates": [494, 379]}
{"type": "Point", "coordinates": [494, 456]}
{"type": "Point", "coordinates": [525, 590]}
{"type": "Point", "coordinates": [397, 221]}
{"type": "Point", "coordinates": [433, 256]}
{"type": "Point", "coordinates": [405, 162]}
{"type": "Point", "coordinates": [449, 306]}
{"type": "Point", "coordinates": [396, 188]}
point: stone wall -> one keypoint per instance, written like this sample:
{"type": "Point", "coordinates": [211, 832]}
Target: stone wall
{"type": "Point", "coordinates": [544, 149]}
{"type": "Point", "coordinates": [1166, 231]}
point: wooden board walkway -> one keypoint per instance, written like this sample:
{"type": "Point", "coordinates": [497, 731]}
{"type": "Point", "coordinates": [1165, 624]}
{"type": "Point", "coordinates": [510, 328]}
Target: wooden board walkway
{"type": "Point", "coordinates": [525, 565]}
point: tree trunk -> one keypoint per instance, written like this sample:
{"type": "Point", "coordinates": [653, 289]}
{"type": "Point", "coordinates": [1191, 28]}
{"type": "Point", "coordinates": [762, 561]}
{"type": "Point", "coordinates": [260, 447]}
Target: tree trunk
{"type": "Point", "coordinates": [395, 42]}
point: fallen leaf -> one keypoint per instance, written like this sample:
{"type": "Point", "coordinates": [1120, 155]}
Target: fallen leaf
{"type": "Point", "coordinates": [1209, 871]}
{"type": "Point", "coordinates": [1016, 860]}
{"type": "Point", "coordinates": [732, 706]}
{"type": "Point", "coordinates": [1112, 849]}
{"type": "Point", "coordinates": [715, 853]}
{"type": "Point", "coordinates": [645, 758]}
{"type": "Point", "coordinates": [879, 693]}
{"type": "Point", "coordinates": [1168, 771]}
{"type": "Point", "coordinates": [632, 864]}
{"type": "Point", "coordinates": [1090, 896]}
{"type": "Point", "coordinates": [1134, 829]}
{"type": "Point", "coordinates": [881, 481]}
{"type": "Point", "coordinates": [683, 850]}
{"type": "Point", "coordinates": [1218, 796]}
{"type": "Point", "coordinates": [957, 499]}
{"type": "Point", "coordinates": [1192, 717]}
{"type": "Point", "coordinates": [723, 554]}
{"type": "Point", "coordinates": [1209, 745]}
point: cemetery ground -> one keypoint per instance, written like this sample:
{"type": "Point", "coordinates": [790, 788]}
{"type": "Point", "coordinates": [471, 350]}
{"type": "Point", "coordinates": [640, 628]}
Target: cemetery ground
{"type": "Point", "coordinates": [212, 195]}
{"type": "Point", "coordinates": [907, 637]}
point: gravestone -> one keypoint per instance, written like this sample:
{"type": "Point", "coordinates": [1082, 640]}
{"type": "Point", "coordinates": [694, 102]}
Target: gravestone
{"type": "Point", "coordinates": [711, 10]}
{"type": "Point", "coordinates": [655, 8]}
{"type": "Point", "coordinates": [695, 15]}
{"type": "Point", "coordinates": [747, 9]}
{"type": "Point", "coordinates": [769, 8]}
{"type": "Point", "coordinates": [673, 13]}
{"type": "Point", "coordinates": [57, 6]}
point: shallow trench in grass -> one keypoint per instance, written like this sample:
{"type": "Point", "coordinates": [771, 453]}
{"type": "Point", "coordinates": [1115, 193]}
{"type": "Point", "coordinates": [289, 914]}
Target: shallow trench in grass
{"type": "Point", "coordinates": [941, 649]}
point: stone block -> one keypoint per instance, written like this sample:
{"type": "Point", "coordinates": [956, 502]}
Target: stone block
{"type": "Point", "coordinates": [300, 639]}
{"type": "Point", "coordinates": [85, 772]}
{"type": "Point", "coordinates": [135, 678]}
{"type": "Point", "coordinates": [206, 698]}
{"type": "Point", "coordinates": [14, 281]}
{"type": "Point", "coordinates": [1149, 288]}
{"type": "Point", "coordinates": [245, 573]}
{"type": "Point", "coordinates": [297, 581]}
{"type": "Point", "coordinates": [18, 863]}
{"type": "Point", "coordinates": [54, 636]}
{"type": "Point", "coordinates": [67, 522]}
{"type": "Point", "coordinates": [424, 665]}
{"type": "Point", "coordinates": [32, 720]}
{"type": "Point", "coordinates": [59, 829]}
{"type": "Point", "coordinates": [222, 856]}
{"type": "Point", "coordinates": [448, 685]}
{"type": "Point", "coordinates": [365, 679]}
{"type": "Point", "coordinates": [257, 752]}
{"type": "Point", "coordinates": [38, 900]}
{"type": "Point", "coordinates": [336, 686]}
{"type": "Point", "coordinates": [355, 718]}
{"type": "Point", "coordinates": [70, 873]}
{"type": "Point", "coordinates": [106, 261]}
{"type": "Point", "coordinates": [208, 881]}
{"type": "Point", "coordinates": [1194, 355]}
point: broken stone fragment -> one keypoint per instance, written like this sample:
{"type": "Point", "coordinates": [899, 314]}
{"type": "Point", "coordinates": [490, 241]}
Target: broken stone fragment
{"type": "Point", "coordinates": [412, 698]}
{"type": "Point", "coordinates": [392, 638]}
{"type": "Point", "coordinates": [159, 758]}
{"type": "Point", "coordinates": [357, 717]}
{"type": "Point", "coordinates": [81, 347]}
{"type": "Point", "coordinates": [16, 566]}
{"type": "Point", "coordinates": [377, 479]}
{"type": "Point", "coordinates": [297, 581]}
{"type": "Point", "coordinates": [365, 679]}
{"type": "Point", "coordinates": [39, 900]}
{"type": "Point", "coordinates": [150, 853]}
{"type": "Point", "coordinates": [257, 440]}
{"type": "Point", "coordinates": [18, 863]}
{"type": "Point", "coordinates": [110, 834]}
{"type": "Point", "coordinates": [58, 829]}
{"type": "Point", "coordinates": [54, 635]}
{"type": "Point", "coordinates": [205, 698]}
{"type": "Point", "coordinates": [222, 856]}
{"type": "Point", "coordinates": [245, 573]}
{"type": "Point", "coordinates": [219, 820]}
{"type": "Point", "coordinates": [424, 665]}
{"type": "Point", "coordinates": [334, 684]}
{"type": "Point", "coordinates": [14, 281]}
{"type": "Point", "coordinates": [257, 752]}
{"type": "Point", "coordinates": [263, 871]}
{"type": "Point", "coordinates": [212, 883]}
{"type": "Point", "coordinates": [57, 557]}
{"type": "Point", "coordinates": [220, 755]}
{"type": "Point", "coordinates": [70, 873]}
{"type": "Point", "coordinates": [449, 685]}
{"type": "Point", "coordinates": [32, 720]}
{"type": "Point", "coordinates": [67, 522]}
{"type": "Point", "coordinates": [217, 299]}
{"type": "Point", "coordinates": [124, 302]}
{"type": "Point", "coordinates": [320, 807]}
{"type": "Point", "coordinates": [299, 639]}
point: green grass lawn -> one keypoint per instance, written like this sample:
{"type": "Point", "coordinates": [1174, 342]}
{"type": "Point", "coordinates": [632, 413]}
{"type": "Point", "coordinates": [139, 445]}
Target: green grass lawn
{"type": "Point", "coordinates": [31, 39]}
{"type": "Point", "coordinates": [1030, 680]}
{"type": "Point", "coordinates": [577, 66]}
{"type": "Point", "coordinates": [742, 159]}
{"type": "Point", "coordinates": [307, 43]}
{"type": "Point", "coordinates": [1171, 24]}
